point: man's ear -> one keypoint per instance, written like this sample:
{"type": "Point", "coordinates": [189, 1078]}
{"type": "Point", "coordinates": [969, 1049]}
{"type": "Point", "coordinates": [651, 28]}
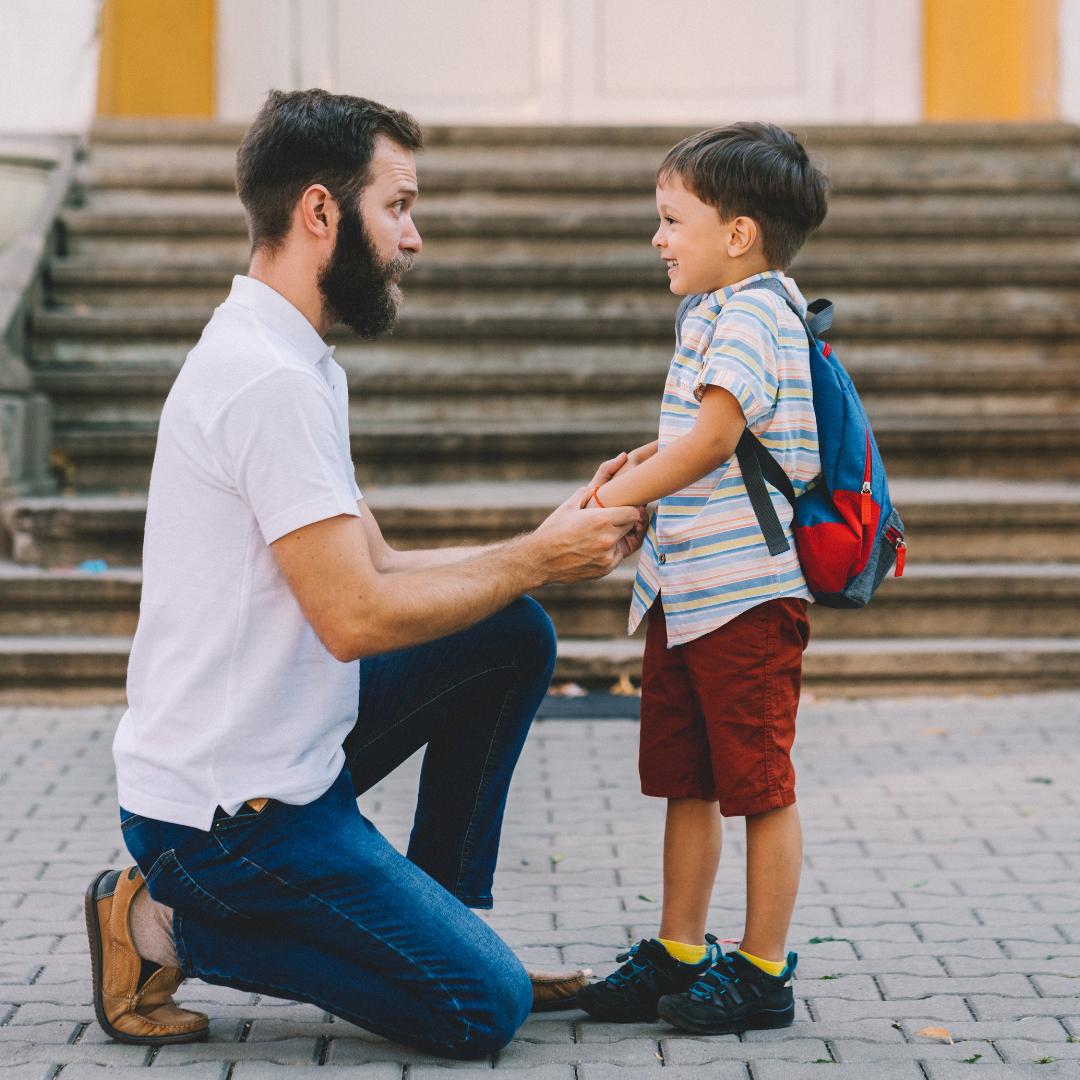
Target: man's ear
{"type": "Point", "coordinates": [318, 211]}
{"type": "Point", "coordinates": [744, 234]}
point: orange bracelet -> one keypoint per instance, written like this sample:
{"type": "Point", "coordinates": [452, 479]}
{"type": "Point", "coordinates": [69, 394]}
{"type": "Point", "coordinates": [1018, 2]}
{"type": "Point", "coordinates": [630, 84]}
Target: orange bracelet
{"type": "Point", "coordinates": [594, 496]}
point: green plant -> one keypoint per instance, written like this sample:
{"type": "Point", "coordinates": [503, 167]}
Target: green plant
{"type": "Point", "coordinates": [836, 976]}
{"type": "Point", "coordinates": [971, 1060]}
{"type": "Point", "coordinates": [1045, 1060]}
{"type": "Point", "coordinates": [822, 940]}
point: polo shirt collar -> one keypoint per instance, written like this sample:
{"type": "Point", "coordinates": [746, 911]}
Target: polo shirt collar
{"type": "Point", "coordinates": [275, 312]}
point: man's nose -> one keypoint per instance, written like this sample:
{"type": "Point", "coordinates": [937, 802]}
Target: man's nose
{"type": "Point", "coordinates": [410, 238]}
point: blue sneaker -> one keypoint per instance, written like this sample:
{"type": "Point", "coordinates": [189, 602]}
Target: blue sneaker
{"type": "Point", "coordinates": [733, 996]}
{"type": "Point", "coordinates": [630, 994]}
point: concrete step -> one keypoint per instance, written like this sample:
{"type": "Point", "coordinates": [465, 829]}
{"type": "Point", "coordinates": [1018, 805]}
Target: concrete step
{"type": "Point", "coordinates": [932, 599]}
{"type": "Point", "coordinates": [625, 315]}
{"type": "Point", "coordinates": [134, 224]}
{"type": "Point", "coordinates": [111, 454]}
{"type": "Point", "coordinates": [49, 603]}
{"type": "Point", "coordinates": [947, 521]}
{"type": "Point", "coordinates": [592, 161]}
{"type": "Point", "coordinates": [63, 670]}
{"type": "Point", "coordinates": [469, 264]}
{"type": "Point", "coordinates": [83, 669]}
{"type": "Point", "coordinates": [880, 666]}
{"type": "Point", "coordinates": [1005, 376]}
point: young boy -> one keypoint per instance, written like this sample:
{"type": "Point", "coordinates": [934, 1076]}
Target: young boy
{"type": "Point", "coordinates": [727, 621]}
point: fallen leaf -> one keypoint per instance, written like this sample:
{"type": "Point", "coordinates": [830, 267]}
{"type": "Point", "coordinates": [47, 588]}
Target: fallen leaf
{"type": "Point", "coordinates": [646, 897]}
{"type": "Point", "coordinates": [1027, 811]}
{"type": "Point", "coordinates": [570, 689]}
{"type": "Point", "coordinates": [916, 884]}
{"type": "Point", "coordinates": [976, 731]}
{"type": "Point", "coordinates": [657, 1056]}
{"type": "Point", "coordinates": [555, 857]}
{"type": "Point", "coordinates": [936, 731]}
{"type": "Point", "coordinates": [936, 1033]}
{"type": "Point", "coordinates": [1062, 975]}
{"type": "Point", "coordinates": [896, 1024]}
{"type": "Point", "coordinates": [624, 687]}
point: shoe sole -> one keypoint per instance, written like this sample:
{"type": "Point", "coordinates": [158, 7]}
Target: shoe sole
{"type": "Point", "coordinates": [93, 930]}
{"type": "Point", "coordinates": [730, 1027]}
{"type": "Point", "coordinates": [606, 1017]}
{"type": "Point", "coordinates": [558, 1005]}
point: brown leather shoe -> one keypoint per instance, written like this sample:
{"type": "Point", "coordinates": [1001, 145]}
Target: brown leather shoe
{"type": "Point", "coordinates": [132, 996]}
{"type": "Point", "coordinates": [555, 990]}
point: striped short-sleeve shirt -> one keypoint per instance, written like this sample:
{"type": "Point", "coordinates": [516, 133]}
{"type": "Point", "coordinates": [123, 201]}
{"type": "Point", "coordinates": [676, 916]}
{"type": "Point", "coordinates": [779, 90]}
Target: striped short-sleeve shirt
{"type": "Point", "coordinates": [704, 553]}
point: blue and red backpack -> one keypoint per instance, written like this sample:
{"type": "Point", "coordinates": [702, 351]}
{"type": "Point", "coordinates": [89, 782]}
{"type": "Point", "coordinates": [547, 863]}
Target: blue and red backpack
{"type": "Point", "coordinates": [847, 533]}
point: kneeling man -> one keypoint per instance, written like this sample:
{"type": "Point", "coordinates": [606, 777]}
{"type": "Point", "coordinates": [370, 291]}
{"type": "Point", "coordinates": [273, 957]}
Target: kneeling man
{"type": "Point", "coordinates": [287, 659]}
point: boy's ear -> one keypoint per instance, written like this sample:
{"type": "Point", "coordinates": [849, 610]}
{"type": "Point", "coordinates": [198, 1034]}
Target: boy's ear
{"type": "Point", "coordinates": [744, 233]}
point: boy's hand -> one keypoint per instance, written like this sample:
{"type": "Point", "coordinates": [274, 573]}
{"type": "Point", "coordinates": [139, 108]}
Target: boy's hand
{"type": "Point", "coordinates": [606, 472]}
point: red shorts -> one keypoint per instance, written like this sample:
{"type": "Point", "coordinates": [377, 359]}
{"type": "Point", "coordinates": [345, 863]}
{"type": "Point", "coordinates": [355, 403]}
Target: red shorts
{"type": "Point", "coordinates": [718, 713]}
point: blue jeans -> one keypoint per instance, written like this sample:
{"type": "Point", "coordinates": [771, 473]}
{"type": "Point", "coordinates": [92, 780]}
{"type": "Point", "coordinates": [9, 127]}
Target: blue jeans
{"type": "Point", "coordinates": [312, 903]}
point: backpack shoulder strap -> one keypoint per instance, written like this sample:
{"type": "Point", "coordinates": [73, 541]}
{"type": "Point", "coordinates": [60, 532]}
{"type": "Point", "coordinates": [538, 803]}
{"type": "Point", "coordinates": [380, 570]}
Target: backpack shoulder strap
{"type": "Point", "coordinates": [755, 462]}
{"type": "Point", "coordinates": [758, 465]}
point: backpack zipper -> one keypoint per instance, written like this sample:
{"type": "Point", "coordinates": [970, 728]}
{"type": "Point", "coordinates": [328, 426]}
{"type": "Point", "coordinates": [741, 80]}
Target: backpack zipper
{"type": "Point", "coordinates": [866, 484]}
{"type": "Point", "coordinates": [896, 538]}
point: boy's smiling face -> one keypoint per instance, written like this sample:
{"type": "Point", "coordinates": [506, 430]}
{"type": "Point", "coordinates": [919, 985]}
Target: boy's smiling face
{"type": "Point", "coordinates": [702, 252]}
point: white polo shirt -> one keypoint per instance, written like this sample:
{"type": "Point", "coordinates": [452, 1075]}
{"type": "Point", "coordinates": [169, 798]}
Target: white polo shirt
{"type": "Point", "coordinates": [231, 695]}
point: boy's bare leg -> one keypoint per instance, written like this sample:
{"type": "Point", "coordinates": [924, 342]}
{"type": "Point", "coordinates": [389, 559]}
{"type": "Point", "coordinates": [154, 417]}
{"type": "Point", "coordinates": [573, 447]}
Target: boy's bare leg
{"type": "Point", "coordinates": [692, 835]}
{"type": "Point", "coordinates": [773, 866]}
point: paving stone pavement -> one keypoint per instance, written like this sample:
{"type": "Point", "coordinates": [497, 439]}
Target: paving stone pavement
{"type": "Point", "coordinates": [940, 889]}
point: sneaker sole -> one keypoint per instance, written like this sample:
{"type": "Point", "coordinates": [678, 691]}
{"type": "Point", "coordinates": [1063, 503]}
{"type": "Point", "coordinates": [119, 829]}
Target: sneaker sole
{"type": "Point", "coordinates": [93, 930]}
{"type": "Point", "coordinates": [765, 1022]}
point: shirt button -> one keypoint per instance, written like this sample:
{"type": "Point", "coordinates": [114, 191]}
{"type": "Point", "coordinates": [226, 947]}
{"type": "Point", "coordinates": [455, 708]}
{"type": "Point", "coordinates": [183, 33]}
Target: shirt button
{"type": "Point", "coordinates": [663, 558]}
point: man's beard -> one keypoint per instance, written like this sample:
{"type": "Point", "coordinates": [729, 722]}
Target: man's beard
{"type": "Point", "coordinates": [357, 288]}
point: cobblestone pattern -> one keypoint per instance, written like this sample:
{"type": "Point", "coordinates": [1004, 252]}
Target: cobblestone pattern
{"type": "Point", "coordinates": [940, 889]}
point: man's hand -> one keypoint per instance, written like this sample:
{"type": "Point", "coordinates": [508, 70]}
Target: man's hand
{"type": "Point", "coordinates": [578, 545]}
{"type": "Point", "coordinates": [619, 466]}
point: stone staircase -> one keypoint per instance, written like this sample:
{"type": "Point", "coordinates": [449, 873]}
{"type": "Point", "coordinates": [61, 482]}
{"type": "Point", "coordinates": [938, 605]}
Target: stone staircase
{"type": "Point", "coordinates": [534, 342]}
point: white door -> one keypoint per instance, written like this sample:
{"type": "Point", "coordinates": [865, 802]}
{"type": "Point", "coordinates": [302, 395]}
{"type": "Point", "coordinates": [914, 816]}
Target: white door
{"type": "Point", "coordinates": [583, 61]}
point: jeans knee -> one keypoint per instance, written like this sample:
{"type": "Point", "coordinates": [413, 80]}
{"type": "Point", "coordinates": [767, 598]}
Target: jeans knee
{"type": "Point", "coordinates": [494, 1024]}
{"type": "Point", "coordinates": [533, 625]}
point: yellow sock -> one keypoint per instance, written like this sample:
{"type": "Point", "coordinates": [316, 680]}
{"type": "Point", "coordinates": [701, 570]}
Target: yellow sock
{"type": "Point", "coordinates": [770, 967]}
{"type": "Point", "coordinates": [686, 954]}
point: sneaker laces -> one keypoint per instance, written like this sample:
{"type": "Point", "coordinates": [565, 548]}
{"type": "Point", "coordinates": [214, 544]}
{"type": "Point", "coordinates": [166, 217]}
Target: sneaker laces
{"type": "Point", "coordinates": [623, 977]}
{"type": "Point", "coordinates": [716, 978]}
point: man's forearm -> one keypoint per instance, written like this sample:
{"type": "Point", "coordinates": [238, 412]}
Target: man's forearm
{"type": "Point", "coordinates": [414, 606]}
{"type": "Point", "coordinates": [404, 561]}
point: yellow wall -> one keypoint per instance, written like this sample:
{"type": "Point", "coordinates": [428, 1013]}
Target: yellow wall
{"type": "Point", "coordinates": [157, 58]}
{"type": "Point", "coordinates": [991, 59]}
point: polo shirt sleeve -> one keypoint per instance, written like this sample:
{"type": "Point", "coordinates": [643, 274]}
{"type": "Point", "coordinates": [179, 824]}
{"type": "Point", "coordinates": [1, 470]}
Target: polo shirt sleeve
{"type": "Point", "coordinates": [280, 442]}
{"type": "Point", "coordinates": [742, 356]}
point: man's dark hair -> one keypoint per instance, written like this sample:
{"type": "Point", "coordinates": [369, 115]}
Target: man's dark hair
{"type": "Point", "coordinates": [311, 137]}
{"type": "Point", "coordinates": [757, 171]}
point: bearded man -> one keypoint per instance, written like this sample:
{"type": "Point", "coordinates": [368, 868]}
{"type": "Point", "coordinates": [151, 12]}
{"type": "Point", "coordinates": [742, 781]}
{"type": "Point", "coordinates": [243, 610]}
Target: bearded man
{"type": "Point", "coordinates": [287, 659]}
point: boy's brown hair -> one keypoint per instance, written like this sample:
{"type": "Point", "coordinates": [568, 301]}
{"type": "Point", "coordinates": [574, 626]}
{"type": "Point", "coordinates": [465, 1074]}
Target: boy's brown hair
{"type": "Point", "coordinates": [757, 171]}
